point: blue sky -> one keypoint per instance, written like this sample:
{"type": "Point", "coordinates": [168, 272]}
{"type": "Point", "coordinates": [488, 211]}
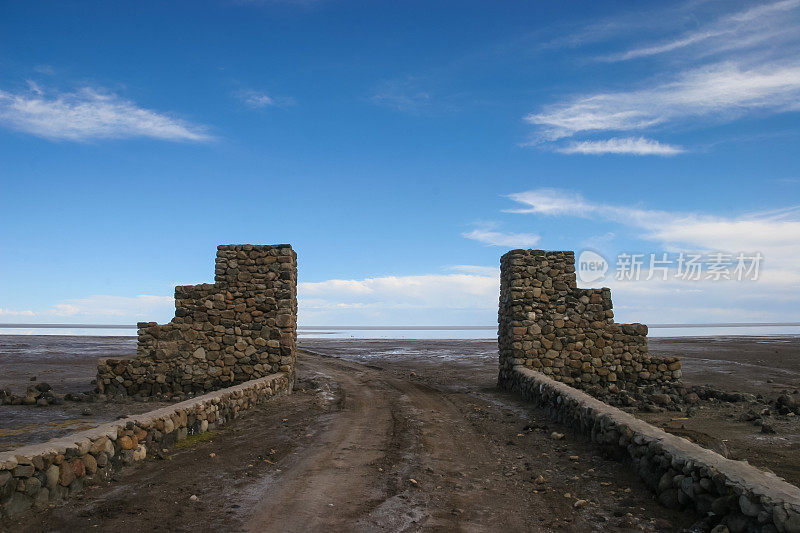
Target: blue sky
{"type": "Point", "coordinates": [401, 147]}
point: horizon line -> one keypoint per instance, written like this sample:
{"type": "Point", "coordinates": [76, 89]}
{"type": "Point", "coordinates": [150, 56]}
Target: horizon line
{"type": "Point", "coordinates": [409, 328]}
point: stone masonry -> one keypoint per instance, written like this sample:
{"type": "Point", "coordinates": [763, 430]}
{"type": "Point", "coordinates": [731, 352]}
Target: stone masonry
{"type": "Point", "coordinates": [40, 475]}
{"type": "Point", "coordinates": [242, 327]}
{"type": "Point", "coordinates": [548, 324]}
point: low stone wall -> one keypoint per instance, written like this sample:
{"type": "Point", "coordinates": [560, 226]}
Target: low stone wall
{"type": "Point", "coordinates": [241, 327]}
{"type": "Point", "coordinates": [35, 475]}
{"type": "Point", "coordinates": [548, 324]}
{"type": "Point", "coordinates": [681, 473]}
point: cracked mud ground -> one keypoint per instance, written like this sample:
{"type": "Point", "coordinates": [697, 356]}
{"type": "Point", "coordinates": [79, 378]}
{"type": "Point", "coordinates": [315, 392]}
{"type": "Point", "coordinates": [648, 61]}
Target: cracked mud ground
{"type": "Point", "coordinates": [391, 445]}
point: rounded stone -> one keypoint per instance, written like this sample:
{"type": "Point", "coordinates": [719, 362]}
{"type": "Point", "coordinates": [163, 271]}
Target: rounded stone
{"type": "Point", "coordinates": [66, 474]}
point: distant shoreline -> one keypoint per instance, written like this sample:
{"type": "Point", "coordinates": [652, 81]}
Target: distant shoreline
{"type": "Point", "coordinates": [408, 328]}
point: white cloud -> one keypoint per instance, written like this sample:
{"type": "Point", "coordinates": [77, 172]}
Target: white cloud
{"type": "Point", "coordinates": [427, 290]}
{"type": "Point", "coordinates": [752, 27]}
{"type": "Point", "coordinates": [402, 94]}
{"type": "Point", "coordinates": [486, 234]}
{"type": "Point", "coordinates": [103, 308]}
{"type": "Point", "coordinates": [260, 100]}
{"type": "Point", "coordinates": [142, 306]}
{"type": "Point", "coordinates": [90, 114]}
{"type": "Point", "coordinates": [710, 64]}
{"type": "Point", "coordinates": [723, 91]}
{"type": "Point", "coordinates": [65, 310]}
{"type": "Point", "coordinates": [551, 202]}
{"type": "Point", "coordinates": [627, 145]}
{"type": "Point", "coordinates": [428, 299]}
{"type": "Point", "coordinates": [13, 312]}
{"type": "Point", "coordinates": [474, 269]}
{"type": "Point", "coordinates": [775, 234]}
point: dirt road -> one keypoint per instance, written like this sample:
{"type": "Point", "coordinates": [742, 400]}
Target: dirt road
{"type": "Point", "coordinates": [361, 447]}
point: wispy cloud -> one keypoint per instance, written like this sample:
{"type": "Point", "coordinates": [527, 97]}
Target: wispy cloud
{"type": "Point", "coordinates": [775, 233]}
{"type": "Point", "coordinates": [102, 308]}
{"type": "Point", "coordinates": [710, 63]}
{"type": "Point", "coordinates": [260, 100]}
{"type": "Point", "coordinates": [723, 92]}
{"type": "Point", "coordinates": [475, 269]}
{"type": "Point", "coordinates": [486, 234]}
{"type": "Point", "coordinates": [14, 312]}
{"type": "Point", "coordinates": [744, 29]}
{"type": "Point", "coordinates": [626, 146]}
{"type": "Point", "coordinates": [404, 94]}
{"type": "Point", "coordinates": [88, 114]}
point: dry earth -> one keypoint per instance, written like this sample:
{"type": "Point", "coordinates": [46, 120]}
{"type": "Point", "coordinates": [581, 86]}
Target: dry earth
{"type": "Point", "coordinates": [370, 416]}
{"type": "Point", "coordinates": [366, 447]}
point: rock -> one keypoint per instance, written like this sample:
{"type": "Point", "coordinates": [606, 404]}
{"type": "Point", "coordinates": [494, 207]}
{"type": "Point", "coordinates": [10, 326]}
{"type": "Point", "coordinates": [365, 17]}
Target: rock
{"type": "Point", "coordinates": [785, 520]}
{"type": "Point", "coordinates": [126, 443]}
{"type": "Point", "coordinates": [784, 400]}
{"type": "Point", "coordinates": [52, 474]}
{"type": "Point", "coordinates": [91, 464]}
{"type": "Point", "coordinates": [724, 505]}
{"type": "Point", "coordinates": [665, 481]}
{"type": "Point", "coordinates": [193, 498]}
{"type": "Point", "coordinates": [669, 498]}
{"type": "Point", "coordinates": [42, 402]}
{"type": "Point", "coordinates": [58, 493]}
{"type": "Point", "coordinates": [720, 529]}
{"type": "Point", "coordinates": [580, 503]}
{"type": "Point", "coordinates": [66, 474]}
{"type": "Point", "coordinates": [687, 486]}
{"type": "Point", "coordinates": [23, 471]}
{"type": "Point", "coordinates": [662, 399]}
{"type": "Point", "coordinates": [749, 506]}
{"type": "Point", "coordinates": [32, 486]}
{"type": "Point", "coordinates": [102, 460]}
{"type": "Point", "coordinates": [767, 428]}
{"type": "Point", "coordinates": [7, 484]}
{"type": "Point", "coordinates": [42, 498]}
{"type": "Point", "coordinates": [86, 412]}
{"type": "Point", "coordinates": [17, 504]}
{"type": "Point", "coordinates": [140, 452]}
{"type": "Point", "coordinates": [76, 486]}
{"type": "Point", "coordinates": [78, 468]}
{"type": "Point", "coordinates": [98, 445]}
{"type": "Point", "coordinates": [737, 523]}
{"type": "Point", "coordinates": [43, 387]}
{"type": "Point", "coordinates": [556, 435]}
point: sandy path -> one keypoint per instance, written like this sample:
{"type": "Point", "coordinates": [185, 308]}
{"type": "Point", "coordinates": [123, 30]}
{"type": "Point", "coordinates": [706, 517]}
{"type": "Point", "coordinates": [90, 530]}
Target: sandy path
{"type": "Point", "coordinates": [335, 481]}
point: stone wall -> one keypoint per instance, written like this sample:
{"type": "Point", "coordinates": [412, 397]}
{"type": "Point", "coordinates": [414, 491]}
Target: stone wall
{"type": "Point", "coordinates": [548, 324]}
{"type": "Point", "coordinates": [682, 474]}
{"type": "Point", "coordinates": [34, 476]}
{"type": "Point", "coordinates": [242, 327]}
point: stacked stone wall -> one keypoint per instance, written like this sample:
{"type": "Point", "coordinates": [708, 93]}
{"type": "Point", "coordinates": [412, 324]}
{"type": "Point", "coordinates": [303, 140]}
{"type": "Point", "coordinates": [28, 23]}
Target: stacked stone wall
{"type": "Point", "coordinates": [682, 474]}
{"type": "Point", "coordinates": [241, 327]}
{"type": "Point", "coordinates": [548, 324]}
{"type": "Point", "coordinates": [37, 475]}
